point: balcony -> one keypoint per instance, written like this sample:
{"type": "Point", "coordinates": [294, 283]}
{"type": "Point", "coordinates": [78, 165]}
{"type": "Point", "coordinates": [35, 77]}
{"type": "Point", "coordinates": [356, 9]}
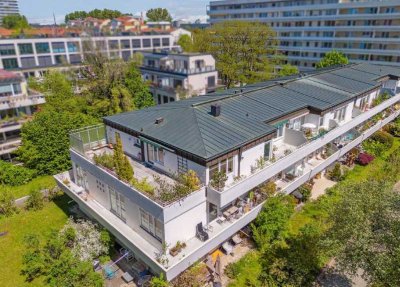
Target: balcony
{"type": "Point", "coordinates": [271, 169]}
{"type": "Point", "coordinates": [181, 71]}
{"type": "Point", "coordinates": [89, 143]}
{"type": "Point", "coordinates": [20, 100]}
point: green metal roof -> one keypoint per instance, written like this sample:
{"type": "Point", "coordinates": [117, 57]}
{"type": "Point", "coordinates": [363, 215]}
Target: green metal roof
{"type": "Point", "coordinates": [245, 112]}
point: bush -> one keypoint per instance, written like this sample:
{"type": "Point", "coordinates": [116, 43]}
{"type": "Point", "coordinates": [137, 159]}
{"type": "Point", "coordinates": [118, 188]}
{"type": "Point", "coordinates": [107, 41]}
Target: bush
{"type": "Point", "coordinates": [15, 175]}
{"type": "Point", "coordinates": [268, 188]}
{"type": "Point", "coordinates": [336, 173]}
{"type": "Point", "coordinates": [305, 191]}
{"type": "Point", "coordinates": [364, 158]}
{"type": "Point", "coordinates": [35, 200]}
{"type": "Point", "coordinates": [384, 138]}
{"type": "Point", "coordinates": [393, 128]}
{"type": "Point", "coordinates": [7, 202]}
{"type": "Point", "coordinates": [143, 185]}
{"type": "Point", "coordinates": [105, 160]}
{"type": "Point", "coordinates": [378, 143]}
{"type": "Point", "coordinates": [218, 180]}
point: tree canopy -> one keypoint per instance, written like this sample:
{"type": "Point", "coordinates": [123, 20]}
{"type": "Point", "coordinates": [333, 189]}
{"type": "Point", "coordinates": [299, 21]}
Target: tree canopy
{"type": "Point", "coordinates": [186, 43]}
{"type": "Point", "coordinates": [245, 52]}
{"type": "Point", "coordinates": [332, 58]}
{"type": "Point", "coordinates": [288, 70]}
{"type": "Point", "coordinates": [15, 21]}
{"type": "Point", "coordinates": [158, 14]}
{"type": "Point", "coordinates": [96, 13]}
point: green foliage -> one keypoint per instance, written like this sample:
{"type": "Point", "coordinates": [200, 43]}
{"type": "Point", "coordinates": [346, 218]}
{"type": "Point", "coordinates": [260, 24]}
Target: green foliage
{"type": "Point", "coordinates": [378, 143]}
{"type": "Point", "coordinates": [244, 51]}
{"type": "Point", "coordinates": [218, 180]}
{"type": "Point", "coordinates": [123, 167]}
{"type": "Point", "coordinates": [7, 201]}
{"type": "Point", "coordinates": [305, 190]}
{"type": "Point", "coordinates": [158, 15]}
{"type": "Point", "coordinates": [336, 173]}
{"type": "Point", "coordinates": [269, 188]}
{"type": "Point", "coordinates": [35, 200]}
{"type": "Point", "coordinates": [45, 140]}
{"type": "Point", "coordinates": [246, 271]}
{"type": "Point", "coordinates": [96, 13]}
{"type": "Point", "coordinates": [143, 185]}
{"type": "Point", "coordinates": [15, 21]}
{"type": "Point", "coordinates": [272, 222]}
{"type": "Point", "coordinates": [15, 175]}
{"type": "Point", "coordinates": [106, 160]}
{"type": "Point", "coordinates": [185, 41]}
{"type": "Point", "coordinates": [190, 180]}
{"type": "Point", "coordinates": [288, 70]}
{"type": "Point", "coordinates": [158, 281]}
{"type": "Point", "coordinates": [380, 99]}
{"type": "Point", "coordinates": [332, 58]}
{"type": "Point", "coordinates": [364, 232]}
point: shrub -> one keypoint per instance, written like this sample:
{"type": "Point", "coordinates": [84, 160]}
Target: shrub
{"type": "Point", "coordinates": [364, 158]}
{"type": "Point", "coordinates": [143, 185]}
{"type": "Point", "coordinates": [269, 188]}
{"type": "Point", "coordinates": [305, 191]}
{"type": "Point", "coordinates": [15, 175]}
{"type": "Point", "coordinates": [105, 160]}
{"type": "Point", "coordinates": [7, 202]}
{"type": "Point", "coordinates": [393, 128]}
{"type": "Point", "coordinates": [378, 143]}
{"type": "Point", "coordinates": [190, 180]}
{"type": "Point", "coordinates": [218, 180]}
{"type": "Point", "coordinates": [383, 137]}
{"type": "Point", "coordinates": [336, 173]}
{"type": "Point", "coordinates": [35, 200]}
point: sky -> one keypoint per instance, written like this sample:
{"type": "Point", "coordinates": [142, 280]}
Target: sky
{"type": "Point", "coordinates": [41, 11]}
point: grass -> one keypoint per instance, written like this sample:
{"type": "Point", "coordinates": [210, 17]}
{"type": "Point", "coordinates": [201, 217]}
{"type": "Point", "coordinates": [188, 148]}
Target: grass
{"type": "Point", "coordinates": [246, 270]}
{"type": "Point", "coordinates": [52, 217]}
{"type": "Point", "coordinates": [38, 183]}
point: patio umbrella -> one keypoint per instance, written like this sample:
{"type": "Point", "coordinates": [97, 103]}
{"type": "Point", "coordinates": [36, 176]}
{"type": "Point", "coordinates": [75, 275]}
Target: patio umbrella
{"type": "Point", "coordinates": [309, 126]}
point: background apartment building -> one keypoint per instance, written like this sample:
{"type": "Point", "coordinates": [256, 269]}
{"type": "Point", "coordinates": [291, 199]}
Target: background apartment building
{"type": "Point", "coordinates": [307, 29]}
{"type": "Point", "coordinates": [8, 7]}
{"type": "Point", "coordinates": [174, 76]}
{"type": "Point", "coordinates": [17, 104]}
{"type": "Point", "coordinates": [34, 56]}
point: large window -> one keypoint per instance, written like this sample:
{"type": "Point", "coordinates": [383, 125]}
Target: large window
{"type": "Point", "coordinates": [60, 59]}
{"type": "Point", "coordinates": [45, 61]}
{"type": "Point", "coordinates": [267, 150]}
{"type": "Point", "coordinates": [146, 43]}
{"type": "Point", "coordinates": [7, 49]}
{"type": "Point", "coordinates": [136, 43]}
{"type": "Point", "coordinates": [156, 42]}
{"type": "Point", "coordinates": [226, 166]}
{"type": "Point", "coordinates": [58, 47]}
{"type": "Point", "coordinates": [165, 42]}
{"type": "Point", "coordinates": [28, 62]}
{"type": "Point", "coordinates": [151, 224]}
{"type": "Point", "coordinates": [113, 44]}
{"type": "Point", "coordinates": [73, 47]}
{"type": "Point", "coordinates": [117, 203]}
{"type": "Point", "coordinates": [42, 48]}
{"type": "Point", "coordinates": [17, 88]}
{"type": "Point", "coordinates": [10, 63]}
{"type": "Point", "coordinates": [340, 114]}
{"type": "Point", "coordinates": [25, 49]}
{"type": "Point", "coordinates": [155, 154]}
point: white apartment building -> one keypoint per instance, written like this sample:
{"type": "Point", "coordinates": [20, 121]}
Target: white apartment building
{"type": "Point", "coordinates": [174, 76]}
{"type": "Point", "coordinates": [34, 56]}
{"type": "Point", "coordinates": [8, 7]}
{"type": "Point", "coordinates": [365, 31]}
{"type": "Point", "coordinates": [17, 104]}
{"type": "Point", "coordinates": [286, 131]}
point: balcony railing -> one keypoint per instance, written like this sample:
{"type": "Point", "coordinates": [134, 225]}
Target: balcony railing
{"type": "Point", "coordinates": [183, 71]}
{"type": "Point", "coordinates": [271, 169]}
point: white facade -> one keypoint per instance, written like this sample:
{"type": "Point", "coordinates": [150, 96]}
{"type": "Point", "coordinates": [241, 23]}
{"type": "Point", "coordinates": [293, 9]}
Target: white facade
{"type": "Point", "coordinates": [35, 55]}
{"type": "Point", "coordinates": [8, 7]}
{"type": "Point", "coordinates": [362, 30]}
{"type": "Point", "coordinates": [174, 76]}
{"type": "Point", "coordinates": [290, 157]}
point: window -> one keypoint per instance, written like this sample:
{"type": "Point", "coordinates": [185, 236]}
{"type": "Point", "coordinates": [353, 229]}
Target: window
{"type": "Point", "coordinates": [117, 204]}
{"type": "Point", "coordinates": [45, 61]}
{"type": "Point", "coordinates": [279, 131]}
{"type": "Point", "coordinates": [60, 59]}
{"type": "Point", "coordinates": [165, 99]}
{"type": "Point", "coordinates": [226, 166]}
{"type": "Point", "coordinates": [28, 62]}
{"type": "Point", "coordinates": [146, 43]}
{"type": "Point", "coordinates": [151, 224]}
{"type": "Point", "coordinates": [73, 47]}
{"type": "Point", "coordinates": [136, 43]}
{"type": "Point", "coordinates": [25, 49]}
{"type": "Point", "coordinates": [17, 88]}
{"type": "Point", "coordinates": [7, 49]}
{"type": "Point", "coordinates": [125, 44]}
{"type": "Point", "coordinates": [126, 55]}
{"type": "Point", "coordinates": [113, 44]}
{"type": "Point", "coordinates": [230, 165]}
{"type": "Point", "coordinates": [100, 186]}
{"type": "Point", "coordinates": [75, 58]}
{"type": "Point", "coordinates": [156, 42]}
{"type": "Point", "coordinates": [340, 114]}
{"type": "Point", "coordinates": [267, 150]}
{"type": "Point", "coordinates": [165, 42]}
{"type": "Point", "coordinates": [58, 47]}
{"type": "Point", "coordinates": [42, 48]}
{"type": "Point", "coordinates": [10, 63]}
{"type": "Point", "coordinates": [364, 102]}
{"type": "Point", "coordinates": [155, 154]}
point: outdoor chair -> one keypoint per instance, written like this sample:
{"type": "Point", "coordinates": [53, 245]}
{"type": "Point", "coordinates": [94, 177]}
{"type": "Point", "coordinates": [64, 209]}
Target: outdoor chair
{"type": "Point", "coordinates": [201, 233]}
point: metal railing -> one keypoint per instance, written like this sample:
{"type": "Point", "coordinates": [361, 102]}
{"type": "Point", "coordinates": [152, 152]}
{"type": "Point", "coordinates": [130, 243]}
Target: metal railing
{"type": "Point", "coordinates": [87, 138]}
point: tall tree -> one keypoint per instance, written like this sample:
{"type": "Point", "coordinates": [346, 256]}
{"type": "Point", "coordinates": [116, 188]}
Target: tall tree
{"type": "Point", "coordinates": [245, 52]}
{"type": "Point", "coordinates": [158, 14]}
{"type": "Point", "coordinates": [186, 43]}
{"type": "Point", "coordinates": [15, 21]}
{"type": "Point", "coordinates": [332, 58]}
{"type": "Point", "coordinates": [365, 231]}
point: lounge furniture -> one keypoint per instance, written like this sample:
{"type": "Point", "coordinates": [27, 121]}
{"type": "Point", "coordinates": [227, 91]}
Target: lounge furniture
{"type": "Point", "coordinates": [228, 248]}
{"type": "Point", "coordinates": [201, 233]}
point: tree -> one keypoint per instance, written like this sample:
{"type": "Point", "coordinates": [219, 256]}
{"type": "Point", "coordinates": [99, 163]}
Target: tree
{"type": "Point", "coordinates": [364, 231]}
{"type": "Point", "coordinates": [158, 15]}
{"type": "Point", "coordinates": [272, 222]}
{"type": "Point", "coordinates": [186, 43]}
{"type": "Point", "coordinates": [158, 281]}
{"type": "Point", "coordinates": [288, 70]}
{"type": "Point", "coordinates": [332, 58]}
{"type": "Point", "coordinates": [244, 51]}
{"type": "Point", "coordinates": [96, 13]}
{"type": "Point", "coordinates": [35, 200]}
{"type": "Point", "coordinates": [218, 180]}
{"type": "Point", "coordinates": [7, 201]}
{"type": "Point", "coordinates": [15, 21]}
{"type": "Point", "coordinates": [15, 175]}
{"type": "Point", "coordinates": [123, 168]}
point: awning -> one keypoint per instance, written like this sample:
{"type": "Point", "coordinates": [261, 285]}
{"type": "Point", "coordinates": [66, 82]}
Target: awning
{"type": "Point", "coordinates": [155, 144]}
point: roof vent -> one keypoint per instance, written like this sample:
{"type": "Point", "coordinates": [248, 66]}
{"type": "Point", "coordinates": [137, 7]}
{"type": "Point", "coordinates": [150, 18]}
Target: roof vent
{"type": "Point", "coordinates": [215, 110]}
{"type": "Point", "coordinates": [159, 121]}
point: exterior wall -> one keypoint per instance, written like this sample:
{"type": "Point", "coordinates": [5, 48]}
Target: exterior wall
{"type": "Point", "coordinates": [128, 142]}
{"type": "Point", "coordinates": [199, 82]}
{"type": "Point", "coordinates": [366, 31]}
{"type": "Point", "coordinates": [249, 158]}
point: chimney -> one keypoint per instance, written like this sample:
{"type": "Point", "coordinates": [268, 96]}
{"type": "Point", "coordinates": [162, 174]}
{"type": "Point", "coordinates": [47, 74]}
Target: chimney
{"type": "Point", "coordinates": [215, 110]}
{"type": "Point", "coordinates": [159, 120]}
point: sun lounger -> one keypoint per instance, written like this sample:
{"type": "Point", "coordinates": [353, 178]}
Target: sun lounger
{"type": "Point", "coordinates": [228, 248]}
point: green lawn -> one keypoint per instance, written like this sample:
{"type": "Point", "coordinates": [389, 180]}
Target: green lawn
{"type": "Point", "coordinates": [38, 183]}
{"type": "Point", "coordinates": [52, 217]}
